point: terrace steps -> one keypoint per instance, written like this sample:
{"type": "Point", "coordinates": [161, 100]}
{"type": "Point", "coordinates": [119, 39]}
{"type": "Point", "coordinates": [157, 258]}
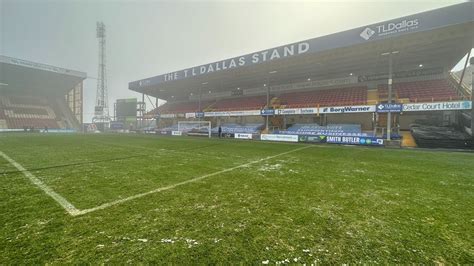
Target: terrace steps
{"type": "Point", "coordinates": [372, 97]}
{"type": "Point", "coordinates": [407, 139]}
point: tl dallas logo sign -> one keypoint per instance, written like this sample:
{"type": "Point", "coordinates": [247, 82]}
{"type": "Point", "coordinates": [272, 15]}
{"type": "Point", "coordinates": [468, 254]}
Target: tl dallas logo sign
{"type": "Point", "coordinates": [389, 108]}
{"type": "Point", "coordinates": [367, 33]}
{"type": "Point", "coordinates": [389, 28]}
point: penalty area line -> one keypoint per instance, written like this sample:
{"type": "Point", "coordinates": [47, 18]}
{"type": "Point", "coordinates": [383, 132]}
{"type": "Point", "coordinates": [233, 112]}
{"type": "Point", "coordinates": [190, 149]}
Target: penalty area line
{"type": "Point", "coordinates": [58, 198]}
{"type": "Point", "coordinates": [192, 180]}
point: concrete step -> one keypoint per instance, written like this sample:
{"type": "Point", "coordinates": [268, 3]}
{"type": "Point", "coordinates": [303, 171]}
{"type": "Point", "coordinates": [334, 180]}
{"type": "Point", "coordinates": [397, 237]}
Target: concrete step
{"type": "Point", "coordinates": [407, 139]}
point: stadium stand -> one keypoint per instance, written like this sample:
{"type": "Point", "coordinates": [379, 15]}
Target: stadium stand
{"type": "Point", "coordinates": [338, 70]}
{"type": "Point", "coordinates": [35, 95]}
{"type": "Point", "coordinates": [29, 111]}
{"type": "Point", "coordinates": [328, 97]}
{"type": "Point", "coordinates": [414, 91]}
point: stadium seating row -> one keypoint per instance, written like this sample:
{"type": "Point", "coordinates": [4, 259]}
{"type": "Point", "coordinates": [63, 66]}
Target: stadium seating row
{"type": "Point", "coordinates": [329, 130]}
{"type": "Point", "coordinates": [19, 123]}
{"type": "Point", "coordinates": [332, 97]}
{"type": "Point", "coordinates": [236, 128]}
{"type": "Point", "coordinates": [417, 91]}
{"type": "Point", "coordinates": [245, 103]}
{"type": "Point", "coordinates": [28, 111]}
{"type": "Point", "coordinates": [182, 107]}
{"type": "Point", "coordinates": [422, 91]}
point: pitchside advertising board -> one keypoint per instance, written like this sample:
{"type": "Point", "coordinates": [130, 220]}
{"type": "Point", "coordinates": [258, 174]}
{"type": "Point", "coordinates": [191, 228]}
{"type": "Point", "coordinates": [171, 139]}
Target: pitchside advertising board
{"type": "Point", "coordinates": [267, 112]}
{"type": "Point", "coordinates": [167, 115]}
{"type": "Point", "coordinates": [380, 108]}
{"type": "Point", "coordinates": [293, 111]}
{"type": "Point", "coordinates": [242, 136]}
{"type": "Point", "coordinates": [438, 18]}
{"type": "Point", "coordinates": [347, 109]}
{"type": "Point", "coordinates": [279, 137]}
{"type": "Point", "coordinates": [176, 133]}
{"type": "Point", "coordinates": [441, 106]}
{"type": "Point", "coordinates": [389, 108]}
{"type": "Point", "coordinates": [350, 140]}
{"type": "Point", "coordinates": [232, 113]}
{"type": "Point", "coordinates": [321, 110]}
{"type": "Point", "coordinates": [296, 111]}
{"type": "Point", "coordinates": [194, 115]}
{"type": "Point", "coordinates": [312, 139]}
{"type": "Point", "coordinates": [199, 114]}
{"type": "Point", "coordinates": [371, 141]}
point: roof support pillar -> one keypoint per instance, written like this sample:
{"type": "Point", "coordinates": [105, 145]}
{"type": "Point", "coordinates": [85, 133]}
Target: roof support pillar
{"type": "Point", "coordinates": [472, 97]}
{"type": "Point", "coordinates": [389, 114]}
{"type": "Point", "coordinates": [268, 105]}
{"type": "Point", "coordinates": [390, 81]}
{"type": "Point", "coordinates": [142, 112]}
{"type": "Point", "coordinates": [199, 100]}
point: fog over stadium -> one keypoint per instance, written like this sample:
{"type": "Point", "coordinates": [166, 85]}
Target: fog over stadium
{"type": "Point", "coordinates": [146, 38]}
{"type": "Point", "coordinates": [236, 132]}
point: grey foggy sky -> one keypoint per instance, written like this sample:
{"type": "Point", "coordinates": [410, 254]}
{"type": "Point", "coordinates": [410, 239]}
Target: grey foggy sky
{"type": "Point", "coordinates": [147, 38]}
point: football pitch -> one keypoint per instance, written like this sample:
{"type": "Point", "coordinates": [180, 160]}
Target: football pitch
{"type": "Point", "coordinates": [180, 200]}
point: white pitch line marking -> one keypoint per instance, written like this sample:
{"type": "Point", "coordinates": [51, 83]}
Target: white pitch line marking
{"type": "Point", "coordinates": [58, 198]}
{"type": "Point", "coordinates": [107, 205]}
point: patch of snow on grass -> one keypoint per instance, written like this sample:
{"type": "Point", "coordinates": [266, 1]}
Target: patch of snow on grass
{"type": "Point", "coordinates": [270, 167]}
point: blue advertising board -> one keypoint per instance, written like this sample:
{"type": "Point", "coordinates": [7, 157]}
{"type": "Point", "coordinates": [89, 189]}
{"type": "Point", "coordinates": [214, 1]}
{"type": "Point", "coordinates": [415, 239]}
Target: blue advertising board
{"type": "Point", "coordinates": [266, 112]}
{"type": "Point", "coordinates": [389, 108]}
{"type": "Point", "coordinates": [312, 138]}
{"type": "Point", "coordinates": [116, 125]}
{"type": "Point", "coordinates": [371, 141]}
{"type": "Point", "coordinates": [351, 140]}
{"type": "Point", "coordinates": [199, 114]}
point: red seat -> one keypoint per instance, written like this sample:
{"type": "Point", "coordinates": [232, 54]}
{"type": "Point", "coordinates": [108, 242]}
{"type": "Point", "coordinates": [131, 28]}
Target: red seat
{"type": "Point", "coordinates": [29, 111]}
{"type": "Point", "coordinates": [423, 91]}
{"type": "Point", "coordinates": [327, 97]}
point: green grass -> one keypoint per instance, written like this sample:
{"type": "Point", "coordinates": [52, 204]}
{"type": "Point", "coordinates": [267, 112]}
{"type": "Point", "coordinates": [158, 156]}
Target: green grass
{"type": "Point", "coordinates": [323, 204]}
